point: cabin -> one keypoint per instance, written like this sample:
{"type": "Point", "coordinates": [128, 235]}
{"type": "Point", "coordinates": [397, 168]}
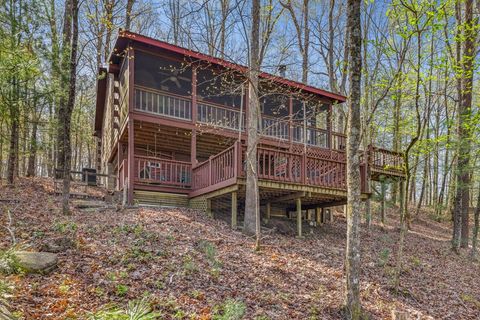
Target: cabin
{"type": "Point", "coordinates": [171, 126]}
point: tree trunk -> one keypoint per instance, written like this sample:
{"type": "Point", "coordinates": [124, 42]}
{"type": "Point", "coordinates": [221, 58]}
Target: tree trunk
{"type": "Point", "coordinates": [252, 210]}
{"type": "Point", "coordinates": [33, 150]}
{"type": "Point", "coordinates": [352, 259]}
{"type": "Point", "coordinates": [476, 225]}
{"type": "Point", "coordinates": [383, 189]}
{"type": "Point", "coordinates": [65, 110]}
{"type": "Point", "coordinates": [461, 204]}
{"type": "Point", "coordinates": [128, 14]}
{"type": "Point", "coordinates": [13, 151]}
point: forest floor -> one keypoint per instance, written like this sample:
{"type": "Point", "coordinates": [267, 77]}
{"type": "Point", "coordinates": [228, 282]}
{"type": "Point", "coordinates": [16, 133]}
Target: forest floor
{"type": "Point", "coordinates": [191, 266]}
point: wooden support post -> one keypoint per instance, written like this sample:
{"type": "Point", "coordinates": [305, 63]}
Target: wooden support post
{"type": "Point", "coordinates": [193, 148]}
{"type": "Point", "coordinates": [234, 210]}
{"type": "Point", "coordinates": [131, 133]}
{"type": "Point", "coordinates": [299, 218]}
{"type": "Point", "coordinates": [194, 95]}
{"type": "Point", "coordinates": [329, 127]}
{"type": "Point", "coordinates": [318, 216]}
{"type": "Point", "coordinates": [131, 161]}
{"type": "Point", "coordinates": [269, 210]}
{"type": "Point", "coordinates": [209, 208]}
{"type": "Point", "coordinates": [290, 119]}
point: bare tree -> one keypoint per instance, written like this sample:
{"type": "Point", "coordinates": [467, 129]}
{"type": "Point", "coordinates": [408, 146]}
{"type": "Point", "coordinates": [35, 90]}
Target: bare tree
{"type": "Point", "coordinates": [352, 259]}
{"type": "Point", "coordinates": [252, 210]}
{"type": "Point", "coordinates": [302, 28]}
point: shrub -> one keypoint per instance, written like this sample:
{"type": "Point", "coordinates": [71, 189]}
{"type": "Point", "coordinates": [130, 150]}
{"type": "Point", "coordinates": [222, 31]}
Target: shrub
{"type": "Point", "coordinates": [9, 262]}
{"type": "Point", "coordinates": [230, 310]}
{"type": "Point", "coordinates": [122, 289]}
{"type": "Point", "coordinates": [383, 257]}
{"type": "Point", "coordinates": [135, 310]}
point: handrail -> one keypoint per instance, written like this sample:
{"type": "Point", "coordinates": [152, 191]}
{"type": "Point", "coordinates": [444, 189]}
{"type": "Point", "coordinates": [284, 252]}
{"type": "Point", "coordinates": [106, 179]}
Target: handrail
{"type": "Point", "coordinates": [161, 159]}
{"type": "Point", "coordinates": [218, 168]}
{"type": "Point", "coordinates": [208, 113]}
{"type": "Point", "coordinates": [164, 104]}
{"type": "Point", "coordinates": [163, 92]}
{"type": "Point", "coordinates": [163, 171]}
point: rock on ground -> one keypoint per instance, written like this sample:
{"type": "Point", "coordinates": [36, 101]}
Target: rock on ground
{"type": "Point", "coordinates": [36, 262]}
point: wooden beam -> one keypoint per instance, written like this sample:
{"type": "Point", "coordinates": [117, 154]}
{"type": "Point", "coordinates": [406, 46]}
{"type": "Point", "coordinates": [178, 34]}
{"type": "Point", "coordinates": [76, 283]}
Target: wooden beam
{"type": "Point", "coordinates": [215, 187]}
{"type": "Point", "coordinates": [288, 197]}
{"type": "Point", "coordinates": [299, 218]}
{"type": "Point", "coordinates": [234, 210]}
{"type": "Point", "coordinates": [322, 205]}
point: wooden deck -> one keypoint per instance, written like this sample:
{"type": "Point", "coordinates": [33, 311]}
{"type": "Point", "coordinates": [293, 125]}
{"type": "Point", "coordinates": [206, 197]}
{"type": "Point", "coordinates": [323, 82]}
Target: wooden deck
{"type": "Point", "coordinates": [291, 155]}
{"type": "Point", "coordinates": [319, 171]}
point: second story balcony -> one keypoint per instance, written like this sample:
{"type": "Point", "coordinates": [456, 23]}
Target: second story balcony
{"type": "Point", "coordinates": [214, 117]}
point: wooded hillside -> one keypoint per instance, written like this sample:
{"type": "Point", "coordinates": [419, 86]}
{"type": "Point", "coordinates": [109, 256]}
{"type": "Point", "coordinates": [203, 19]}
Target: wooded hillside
{"type": "Point", "coordinates": [409, 70]}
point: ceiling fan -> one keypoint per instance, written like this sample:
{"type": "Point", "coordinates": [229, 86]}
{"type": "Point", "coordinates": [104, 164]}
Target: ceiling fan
{"type": "Point", "coordinates": [173, 76]}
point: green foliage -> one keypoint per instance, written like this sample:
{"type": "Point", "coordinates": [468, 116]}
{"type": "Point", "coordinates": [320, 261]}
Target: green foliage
{"type": "Point", "coordinates": [65, 226]}
{"type": "Point", "coordinates": [230, 310]}
{"type": "Point", "coordinates": [189, 265]}
{"type": "Point", "coordinates": [121, 290]}
{"type": "Point", "coordinates": [9, 262]}
{"type": "Point", "coordinates": [471, 299]}
{"type": "Point", "coordinates": [135, 310]}
{"type": "Point", "coordinates": [383, 257]}
{"type": "Point", "coordinates": [210, 252]}
{"type": "Point", "coordinates": [416, 261]}
{"type": "Point", "coordinates": [6, 289]}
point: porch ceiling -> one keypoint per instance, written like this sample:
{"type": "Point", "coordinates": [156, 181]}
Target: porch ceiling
{"type": "Point", "coordinates": [177, 140]}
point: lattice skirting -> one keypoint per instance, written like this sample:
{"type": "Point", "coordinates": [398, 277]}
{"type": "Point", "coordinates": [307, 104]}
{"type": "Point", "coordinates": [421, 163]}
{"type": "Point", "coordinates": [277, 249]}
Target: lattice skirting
{"type": "Point", "coordinates": [198, 203]}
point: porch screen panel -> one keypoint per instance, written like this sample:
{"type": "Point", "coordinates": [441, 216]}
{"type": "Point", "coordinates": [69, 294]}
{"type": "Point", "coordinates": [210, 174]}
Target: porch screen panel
{"type": "Point", "coordinates": [274, 107]}
{"type": "Point", "coordinates": [163, 86]}
{"type": "Point", "coordinates": [219, 98]}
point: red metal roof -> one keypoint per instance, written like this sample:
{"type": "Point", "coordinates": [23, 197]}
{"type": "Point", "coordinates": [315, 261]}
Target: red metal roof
{"type": "Point", "coordinates": [121, 44]}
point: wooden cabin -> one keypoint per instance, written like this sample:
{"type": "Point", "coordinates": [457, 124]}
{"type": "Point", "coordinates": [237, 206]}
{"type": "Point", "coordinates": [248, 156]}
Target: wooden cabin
{"type": "Point", "coordinates": [170, 124]}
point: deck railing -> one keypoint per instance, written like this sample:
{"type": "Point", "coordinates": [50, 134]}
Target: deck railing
{"type": "Point", "coordinates": [180, 107]}
{"type": "Point", "coordinates": [223, 168]}
{"type": "Point", "coordinates": [156, 102]}
{"type": "Point", "coordinates": [163, 171]}
{"type": "Point", "coordinates": [385, 159]}
{"type": "Point", "coordinates": [279, 165]}
{"type": "Point", "coordinates": [313, 137]}
{"type": "Point", "coordinates": [217, 169]}
{"type": "Point", "coordinates": [274, 128]}
{"type": "Point", "coordinates": [326, 173]}
{"type": "Point", "coordinates": [227, 118]}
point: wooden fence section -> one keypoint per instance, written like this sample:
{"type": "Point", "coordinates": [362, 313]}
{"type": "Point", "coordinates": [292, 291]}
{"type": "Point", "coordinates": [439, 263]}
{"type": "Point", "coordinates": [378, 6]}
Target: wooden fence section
{"type": "Point", "coordinates": [163, 171]}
